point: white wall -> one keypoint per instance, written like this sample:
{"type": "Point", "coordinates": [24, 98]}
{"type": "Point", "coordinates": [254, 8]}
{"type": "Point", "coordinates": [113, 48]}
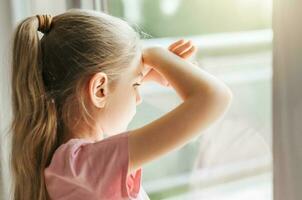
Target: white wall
{"type": "Point", "coordinates": [287, 96]}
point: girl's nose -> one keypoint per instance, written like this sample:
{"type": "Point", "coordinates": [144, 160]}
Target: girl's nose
{"type": "Point", "coordinates": [138, 98]}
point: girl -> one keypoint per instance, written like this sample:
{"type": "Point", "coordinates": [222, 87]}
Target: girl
{"type": "Point", "coordinates": [78, 83]}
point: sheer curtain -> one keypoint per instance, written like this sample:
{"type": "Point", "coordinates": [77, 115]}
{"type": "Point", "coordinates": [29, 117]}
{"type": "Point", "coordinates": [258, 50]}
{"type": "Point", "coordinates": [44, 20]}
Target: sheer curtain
{"type": "Point", "coordinates": [287, 104]}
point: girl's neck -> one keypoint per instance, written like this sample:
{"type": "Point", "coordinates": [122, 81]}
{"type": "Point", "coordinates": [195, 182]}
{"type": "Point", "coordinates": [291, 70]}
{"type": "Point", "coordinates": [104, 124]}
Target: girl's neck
{"type": "Point", "coordinates": [90, 137]}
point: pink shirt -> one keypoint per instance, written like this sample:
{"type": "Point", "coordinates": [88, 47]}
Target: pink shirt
{"type": "Point", "coordinates": [82, 169]}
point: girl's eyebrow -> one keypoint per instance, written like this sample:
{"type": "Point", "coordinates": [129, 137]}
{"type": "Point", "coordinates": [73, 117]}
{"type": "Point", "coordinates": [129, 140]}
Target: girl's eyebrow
{"type": "Point", "coordinates": [140, 76]}
{"type": "Point", "coordinates": [141, 70]}
{"type": "Point", "coordinates": [140, 73]}
{"type": "Point", "coordinates": [144, 70]}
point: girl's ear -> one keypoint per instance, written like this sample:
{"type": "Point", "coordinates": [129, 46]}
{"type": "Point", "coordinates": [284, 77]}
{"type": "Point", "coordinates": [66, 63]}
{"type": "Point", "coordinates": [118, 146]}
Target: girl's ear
{"type": "Point", "coordinates": [98, 89]}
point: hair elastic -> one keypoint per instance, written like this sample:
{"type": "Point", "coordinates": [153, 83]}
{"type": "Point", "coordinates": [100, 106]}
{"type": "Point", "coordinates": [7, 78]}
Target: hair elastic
{"type": "Point", "coordinates": [45, 22]}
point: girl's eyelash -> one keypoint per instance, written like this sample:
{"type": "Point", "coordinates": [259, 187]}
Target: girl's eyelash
{"type": "Point", "coordinates": [137, 84]}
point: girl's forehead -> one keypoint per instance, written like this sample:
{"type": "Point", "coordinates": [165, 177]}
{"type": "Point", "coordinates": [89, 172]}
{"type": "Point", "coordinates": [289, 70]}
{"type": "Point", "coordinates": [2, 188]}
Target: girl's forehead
{"type": "Point", "coordinates": [138, 68]}
{"type": "Point", "coordinates": [141, 68]}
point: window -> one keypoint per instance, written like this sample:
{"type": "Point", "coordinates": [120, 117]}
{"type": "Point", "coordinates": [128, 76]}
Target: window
{"type": "Point", "coordinates": [232, 159]}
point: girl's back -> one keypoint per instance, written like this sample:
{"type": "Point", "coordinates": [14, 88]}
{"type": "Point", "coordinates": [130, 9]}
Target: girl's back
{"type": "Point", "coordinates": [94, 170]}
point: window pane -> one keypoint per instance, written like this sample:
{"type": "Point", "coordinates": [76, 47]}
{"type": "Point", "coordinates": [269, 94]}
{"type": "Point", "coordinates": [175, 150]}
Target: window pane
{"type": "Point", "coordinates": [232, 158]}
{"type": "Point", "coordinates": [168, 18]}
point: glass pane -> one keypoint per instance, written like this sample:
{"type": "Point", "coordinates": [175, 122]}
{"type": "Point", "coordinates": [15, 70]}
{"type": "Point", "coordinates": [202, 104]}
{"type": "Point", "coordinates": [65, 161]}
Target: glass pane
{"type": "Point", "coordinates": [168, 18]}
{"type": "Point", "coordinates": [231, 159]}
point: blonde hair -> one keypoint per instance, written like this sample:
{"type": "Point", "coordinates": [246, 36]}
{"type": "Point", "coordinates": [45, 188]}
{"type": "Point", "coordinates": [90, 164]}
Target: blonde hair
{"type": "Point", "coordinates": [49, 76]}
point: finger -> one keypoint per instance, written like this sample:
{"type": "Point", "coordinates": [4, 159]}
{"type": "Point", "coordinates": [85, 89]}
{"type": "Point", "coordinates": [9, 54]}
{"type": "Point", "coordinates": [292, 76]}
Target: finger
{"type": "Point", "coordinates": [155, 76]}
{"type": "Point", "coordinates": [146, 69]}
{"type": "Point", "coordinates": [148, 76]}
{"type": "Point", "coordinates": [151, 76]}
{"type": "Point", "coordinates": [175, 44]}
{"type": "Point", "coordinates": [182, 48]}
{"type": "Point", "coordinates": [189, 52]}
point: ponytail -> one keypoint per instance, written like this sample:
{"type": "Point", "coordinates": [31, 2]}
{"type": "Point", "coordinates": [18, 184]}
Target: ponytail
{"type": "Point", "coordinates": [34, 125]}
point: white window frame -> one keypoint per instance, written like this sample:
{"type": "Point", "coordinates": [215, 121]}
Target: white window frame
{"type": "Point", "coordinates": [287, 100]}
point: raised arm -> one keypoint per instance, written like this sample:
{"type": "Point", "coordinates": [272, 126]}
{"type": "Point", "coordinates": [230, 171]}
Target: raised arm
{"type": "Point", "coordinates": [205, 99]}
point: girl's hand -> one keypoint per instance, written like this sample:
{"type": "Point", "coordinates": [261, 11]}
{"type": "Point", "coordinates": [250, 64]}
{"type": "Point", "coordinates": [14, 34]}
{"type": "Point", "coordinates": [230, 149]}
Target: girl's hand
{"type": "Point", "coordinates": [180, 48]}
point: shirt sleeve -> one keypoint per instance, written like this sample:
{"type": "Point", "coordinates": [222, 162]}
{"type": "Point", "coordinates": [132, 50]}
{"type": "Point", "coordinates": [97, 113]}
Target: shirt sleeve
{"type": "Point", "coordinates": [103, 166]}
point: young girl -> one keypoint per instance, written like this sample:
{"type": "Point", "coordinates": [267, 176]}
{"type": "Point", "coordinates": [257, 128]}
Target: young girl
{"type": "Point", "coordinates": [78, 83]}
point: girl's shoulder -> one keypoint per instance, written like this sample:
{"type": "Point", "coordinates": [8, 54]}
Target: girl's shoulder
{"type": "Point", "coordinates": [74, 145]}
